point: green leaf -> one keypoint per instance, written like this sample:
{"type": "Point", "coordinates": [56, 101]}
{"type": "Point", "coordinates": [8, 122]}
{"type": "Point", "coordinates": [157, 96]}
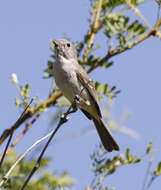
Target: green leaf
{"type": "Point", "coordinates": [119, 26]}
{"type": "Point", "coordinates": [111, 4]}
{"type": "Point", "coordinates": [135, 29]}
{"type": "Point", "coordinates": [17, 102]}
{"type": "Point", "coordinates": [128, 157]}
{"type": "Point", "coordinates": [122, 40]}
{"type": "Point", "coordinates": [25, 90]}
{"type": "Point", "coordinates": [109, 64]}
{"type": "Point", "coordinates": [91, 60]}
{"type": "Point", "coordinates": [52, 46]}
{"type": "Point", "coordinates": [157, 172]}
{"type": "Point", "coordinates": [149, 147]}
{"type": "Point", "coordinates": [49, 70]}
{"type": "Point", "coordinates": [105, 89]}
{"type": "Point", "coordinates": [44, 180]}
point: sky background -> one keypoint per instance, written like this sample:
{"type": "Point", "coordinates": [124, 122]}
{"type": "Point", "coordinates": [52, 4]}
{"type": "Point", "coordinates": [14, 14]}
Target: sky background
{"type": "Point", "coordinates": [26, 28]}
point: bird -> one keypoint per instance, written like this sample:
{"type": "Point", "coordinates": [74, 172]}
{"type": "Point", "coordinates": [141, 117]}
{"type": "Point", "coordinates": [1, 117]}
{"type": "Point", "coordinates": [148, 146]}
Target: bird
{"type": "Point", "coordinates": [72, 79]}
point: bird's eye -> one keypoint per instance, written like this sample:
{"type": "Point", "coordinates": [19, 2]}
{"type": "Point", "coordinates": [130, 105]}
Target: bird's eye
{"type": "Point", "coordinates": [68, 44]}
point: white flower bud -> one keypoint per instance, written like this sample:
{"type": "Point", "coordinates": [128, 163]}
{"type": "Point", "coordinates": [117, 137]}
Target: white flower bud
{"type": "Point", "coordinates": [14, 78]}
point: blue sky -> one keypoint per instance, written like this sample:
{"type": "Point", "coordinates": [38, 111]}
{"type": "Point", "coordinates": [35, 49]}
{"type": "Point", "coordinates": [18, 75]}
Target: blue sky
{"type": "Point", "coordinates": [26, 30]}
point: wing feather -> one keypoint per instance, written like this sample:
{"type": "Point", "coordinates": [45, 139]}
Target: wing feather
{"type": "Point", "coordinates": [89, 86]}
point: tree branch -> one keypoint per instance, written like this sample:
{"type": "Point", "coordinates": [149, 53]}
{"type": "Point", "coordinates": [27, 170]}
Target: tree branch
{"type": "Point", "coordinates": [21, 135]}
{"type": "Point", "coordinates": [63, 119]}
{"type": "Point", "coordinates": [92, 32]}
{"type": "Point", "coordinates": [22, 156]}
{"type": "Point", "coordinates": [11, 134]}
{"type": "Point", "coordinates": [29, 113]}
{"type": "Point", "coordinates": [113, 52]}
{"type": "Point", "coordinates": [137, 12]}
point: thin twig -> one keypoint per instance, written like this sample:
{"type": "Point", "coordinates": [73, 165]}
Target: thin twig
{"type": "Point", "coordinates": [23, 113]}
{"type": "Point", "coordinates": [92, 32]}
{"type": "Point", "coordinates": [147, 173]}
{"type": "Point", "coordinates": [21, 135]}
{"type": "Point", "coordinates": [37, 165]}
{"type": "Point", "coordinates": [156, 32]}
{"type": "Point", "coordinates": [29, 113]}
{"type": "Point", "coordinates": [138, 13]}
{"type": "Point", "coordinates": [151, 180]}
{"type": "Point", "coordinates": [152, 32]}
{"type": "Point", "coordinates": [22, 156]}
{"type": "Point", "coordinates": [158, 13]}
{"type": "Point", "coordinates": [5, 150]}
{"type": "Point", "coordinates": [35, 144]}
{"type": "Point", "coordinates": [63, 120]}
{"type": "Point", "coordinates": [11, 134]}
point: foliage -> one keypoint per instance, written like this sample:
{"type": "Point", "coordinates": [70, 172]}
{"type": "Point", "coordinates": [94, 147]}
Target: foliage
{"type": "Point", "coordinates": [102, 166]}
{"type": "Point", "coordinates": [24, 92]}
{"type": "Point", "coordinates": [44, 179]}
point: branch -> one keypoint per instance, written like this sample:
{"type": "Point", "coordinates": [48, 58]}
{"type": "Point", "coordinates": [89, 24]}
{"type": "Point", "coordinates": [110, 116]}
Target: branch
{"type": "Point", "coordinates": [11, 134]}
{"type": "Point", "coordinates": [92, 32]}
{"type": "Point", "coordinates": [147, 173]}
{"type": "Point", "coordinates": [21, 135]}
{"type": "Point", "coordinates": [5, 150]}
{"type": "Point", "coordinates": [112, 52]}
{"type": "Point", "coordinates": [63, 119]}
{"type": "Point", "coordinates": [29, 113]}
{"type": "Point", "coordinates": [138, 13]}
{"type": "Point", "coordinates": [22, 156]}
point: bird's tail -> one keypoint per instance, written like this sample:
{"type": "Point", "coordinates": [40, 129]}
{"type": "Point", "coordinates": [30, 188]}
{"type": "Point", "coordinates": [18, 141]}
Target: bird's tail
{"type": "Point", "coordinates": [108, 141]}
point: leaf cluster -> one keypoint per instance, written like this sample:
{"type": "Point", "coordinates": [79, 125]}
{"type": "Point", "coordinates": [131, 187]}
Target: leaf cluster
{"type": "Point", "coordinates": [102, 166]}
{"type": "Point", "coordinates": [43, 180]}
{"type": "Point", "coordinates": [24, 92]}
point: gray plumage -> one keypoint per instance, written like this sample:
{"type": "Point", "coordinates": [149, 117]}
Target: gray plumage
{"type": "Point", "coordinates": [73, 80]}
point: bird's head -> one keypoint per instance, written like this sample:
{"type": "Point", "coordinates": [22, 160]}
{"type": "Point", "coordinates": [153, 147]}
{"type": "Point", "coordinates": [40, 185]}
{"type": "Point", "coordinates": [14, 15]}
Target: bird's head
{"type": "Point", "coordinates": [64, 48]}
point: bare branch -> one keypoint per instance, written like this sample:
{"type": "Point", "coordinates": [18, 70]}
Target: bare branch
{"type": "Point", "coordinates": [52, 133]}
{"type": "Point", "coordinates": [147, 173]}
{"type": "Point", "coordinates": [5, 150]}
{"type": "Point", "coordinates": [22, 156]}
{"type": "Point", "coordinates": [63, 120]}
{"type": "Point", "coordinates": [11, 134]}
{"type": "Point", "coordinates": [29, 113]}
{"type": "Point", "coordinates": [21, 135]}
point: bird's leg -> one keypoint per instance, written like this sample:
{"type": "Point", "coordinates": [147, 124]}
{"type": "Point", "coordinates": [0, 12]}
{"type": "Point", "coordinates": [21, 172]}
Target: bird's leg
{"type": "Point", "coordinates": [74, 104]}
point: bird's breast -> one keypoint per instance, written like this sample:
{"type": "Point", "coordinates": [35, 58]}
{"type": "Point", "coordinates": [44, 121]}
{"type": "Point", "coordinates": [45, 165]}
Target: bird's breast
{"type": "Point", "coordinates": [66, 80]}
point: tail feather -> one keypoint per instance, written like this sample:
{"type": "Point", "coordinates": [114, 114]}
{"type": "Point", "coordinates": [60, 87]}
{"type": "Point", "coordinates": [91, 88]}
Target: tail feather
{"type": "Point", "coordinates": [108, 141]}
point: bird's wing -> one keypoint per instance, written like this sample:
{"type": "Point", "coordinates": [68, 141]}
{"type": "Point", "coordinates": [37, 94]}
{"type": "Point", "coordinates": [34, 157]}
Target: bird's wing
{"type": "Point", "coordinates": [89, 87]}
